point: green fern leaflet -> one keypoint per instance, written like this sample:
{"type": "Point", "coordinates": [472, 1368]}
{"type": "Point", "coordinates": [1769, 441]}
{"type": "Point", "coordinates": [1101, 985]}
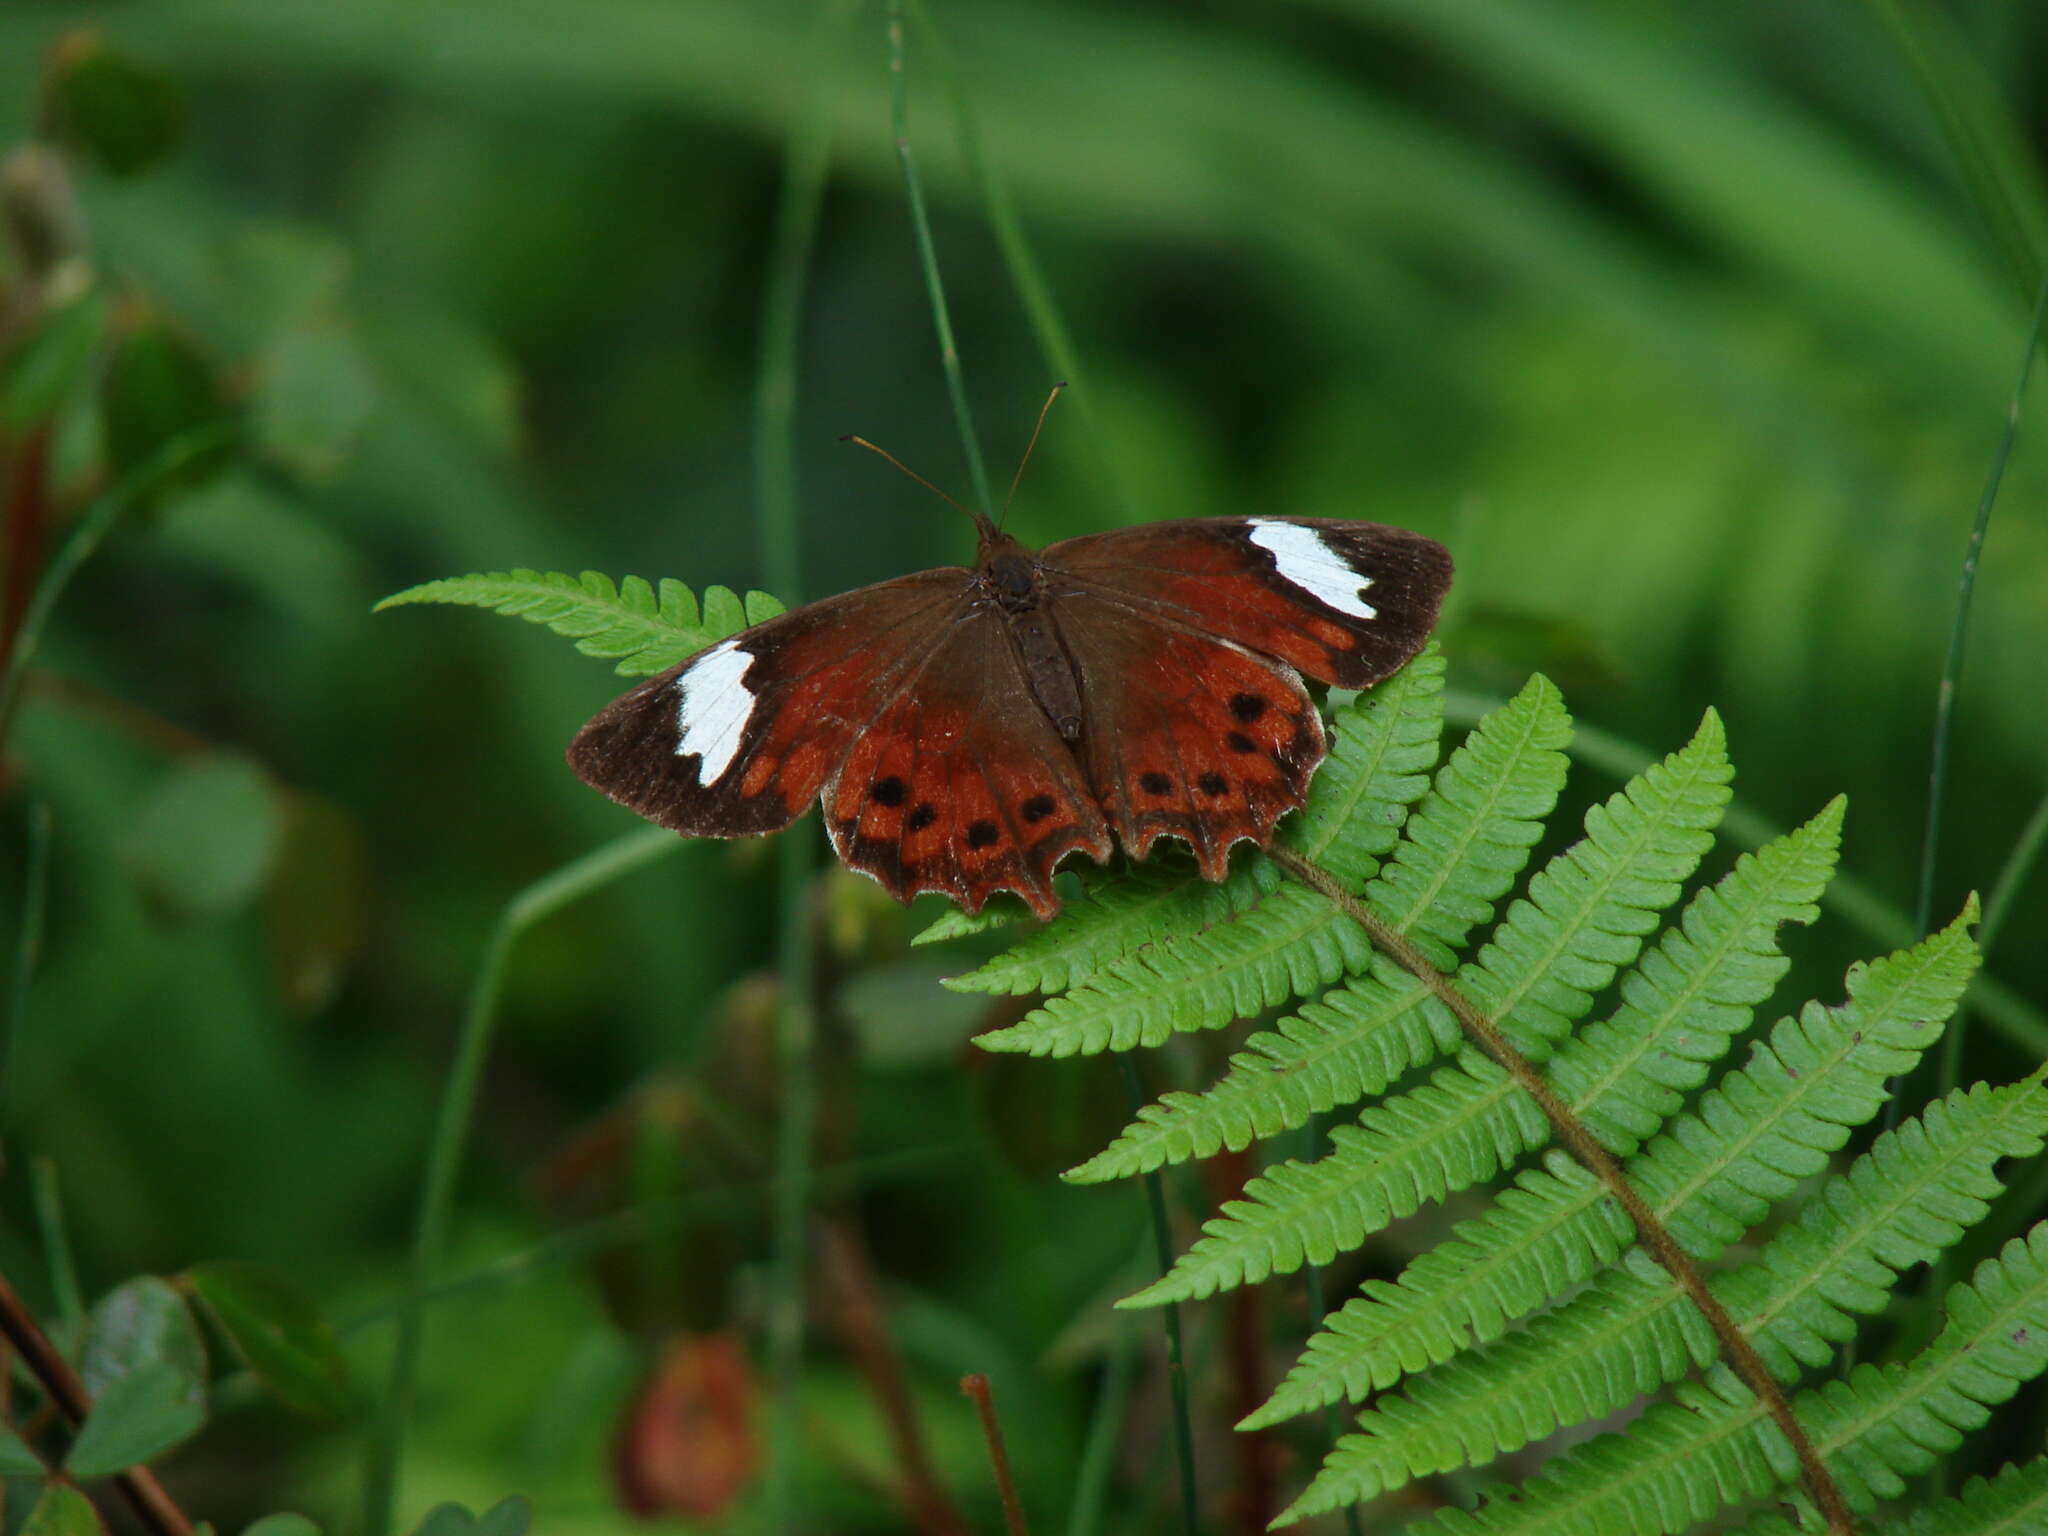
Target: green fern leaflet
{"type": "Point", "coordinates": [1632, 983]}
{"type": "Point", "coordinates": [643, 628]}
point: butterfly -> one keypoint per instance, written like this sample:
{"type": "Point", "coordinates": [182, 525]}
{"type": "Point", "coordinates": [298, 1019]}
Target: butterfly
{"type": "Point", "coordinates": [965, 729]}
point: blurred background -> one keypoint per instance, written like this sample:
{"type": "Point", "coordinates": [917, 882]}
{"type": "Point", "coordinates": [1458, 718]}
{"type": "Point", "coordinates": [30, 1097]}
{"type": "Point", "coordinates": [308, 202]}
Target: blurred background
{"type": "Point", "coordinates": [1691, 327]}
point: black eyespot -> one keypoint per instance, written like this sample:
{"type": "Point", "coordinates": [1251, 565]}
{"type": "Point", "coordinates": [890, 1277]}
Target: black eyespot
{"type": "Point", "coordinates": [1247, 706]}
{"type": "Point", "coordinates": [889, 791]}
{"type": "Point", "coordinates": [921, 817]}
{"type": "Point", "coordinates": [981, 833]}
{"type": "Point", "coordinates": [1037, 808]}
{"type": "Point", "coordinates": [1155, 783]}
{"type": "Point", "coordinates": [1214, 784]}
{"type": "Point", "coordinates": [1237, 741]}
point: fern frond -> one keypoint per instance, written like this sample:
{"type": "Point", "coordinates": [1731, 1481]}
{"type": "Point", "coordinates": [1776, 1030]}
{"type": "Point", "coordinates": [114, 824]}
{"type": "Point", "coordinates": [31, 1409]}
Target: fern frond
{"type": "Point", "coordinates": [1683, 1460]}
{"type": "Point", "coordinates": [1911, 1196]}
{"type": "Point", "coordinates": [1709, 1178]}
{"type": "Point", "coordinates": [2013, 1503]}
{"type": "Point", "coordinates": [1581, 921]}
{"type": "Point", "coordinates": [1284, 1076]}
{"type": "Point", "coordinates": [1681, 1005]}
{"type": "Point", "coordinates": [1126, 910]}
{"type": "Point", "coordinates": [1459, 852]}
{"type": "Point", "coordinates": [644, 629]}
{"type": "Point", "coordinates": [1469, 838]}
{"type": "Point", "coordinates": [1382, 747]}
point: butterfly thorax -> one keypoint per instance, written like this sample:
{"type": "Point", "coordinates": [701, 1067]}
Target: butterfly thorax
{"type": "Point", "coordinates": [1010, 571]}
{"type": "Point", "coordinates": [1015, 580]}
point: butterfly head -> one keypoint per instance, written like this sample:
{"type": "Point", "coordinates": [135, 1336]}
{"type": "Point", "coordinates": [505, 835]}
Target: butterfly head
{"type": "Point", "coordinates": [1009, 570]}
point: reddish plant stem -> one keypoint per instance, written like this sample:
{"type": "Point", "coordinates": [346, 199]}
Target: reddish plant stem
{"type": "Point", "coordinates": [138, 1485]}
{"type": "Point", "coordinates": [24, 530]}
{"type": "Point", "coordinates": [856, 1304]}
{"type": "Point", "coordinates": [977, 1388]}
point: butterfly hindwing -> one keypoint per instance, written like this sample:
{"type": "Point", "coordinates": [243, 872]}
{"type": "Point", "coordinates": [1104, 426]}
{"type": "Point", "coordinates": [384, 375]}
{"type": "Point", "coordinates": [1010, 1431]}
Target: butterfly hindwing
{"type": "Point", "coordinates": [1342, 602]}
{"type": "Point", "coordinates": [962, 785]}
{"type": "Point", "coordinates": [1188, 735]}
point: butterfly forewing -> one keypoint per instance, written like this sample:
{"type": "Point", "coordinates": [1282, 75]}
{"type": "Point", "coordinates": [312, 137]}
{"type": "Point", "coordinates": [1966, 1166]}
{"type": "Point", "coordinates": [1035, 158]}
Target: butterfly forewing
{"type": "Point", "coordinates": [1341, 602]}
{"type": "Point", "coordinates": [742, 736]}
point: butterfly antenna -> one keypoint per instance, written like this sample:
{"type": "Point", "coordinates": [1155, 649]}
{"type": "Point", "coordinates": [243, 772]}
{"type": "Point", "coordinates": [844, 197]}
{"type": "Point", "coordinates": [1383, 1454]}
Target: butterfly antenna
{"type": "Point", "coordinates": [980, 519]}
{"type": "Point", "coordinates": [1018, 478]}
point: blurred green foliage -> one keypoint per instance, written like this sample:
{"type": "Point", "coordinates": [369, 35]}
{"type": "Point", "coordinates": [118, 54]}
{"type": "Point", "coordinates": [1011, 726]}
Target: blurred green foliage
{"type": "Point", "coordinates": [1690, 327]}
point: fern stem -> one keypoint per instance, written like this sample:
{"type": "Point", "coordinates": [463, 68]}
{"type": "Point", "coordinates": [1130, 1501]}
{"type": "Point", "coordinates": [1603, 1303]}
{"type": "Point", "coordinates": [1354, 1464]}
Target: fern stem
{"type": "Point", "coordinates": [541, 899]}
{"type": "Point", "coordinates": [1176, 1372]}
{"type": "Point", "coordinates": [1573, 1135]}
{"type": "Point", "coordinates": [928, 259]}
{"type": "Point", "coordinates": [805, 164]}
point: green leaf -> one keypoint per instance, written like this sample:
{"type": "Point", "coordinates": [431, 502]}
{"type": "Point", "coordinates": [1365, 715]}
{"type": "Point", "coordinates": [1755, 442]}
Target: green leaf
{"type": "Point", "coordinates": [143, 1322]}
{"type": "Point", "coordinates": [510, 1517]}
{"type": "Point", "coordinates": [282, 1524]}
{"type": "Point", "coordinates": [314, 392]}
{"type": "Point", "coordinates": [507, 1517]}
{"type": "Point", "coordinates": [645, 631]}
{"type": "Point", "coordinates": [61, 1510]}
{"type": "Point", "coordinates": [139, 1417]}
{"type": "Point", "coordinates": [205, 839]}
{"type": "Point", "coordinates": [17, 1457]}
{"type": "Point", "coordinates": [44, 366]}
{"type": "Point", "coordinates": [1003, 910]}
{"type": "Point", "coordinates": [278, 1333]}
{"type": "Point", "coordinates": [123, 112]}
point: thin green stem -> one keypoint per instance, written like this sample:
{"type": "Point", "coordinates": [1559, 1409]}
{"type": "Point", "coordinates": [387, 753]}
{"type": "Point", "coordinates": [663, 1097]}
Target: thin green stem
{"type": "Point", "coordinates": [1055, 342]}
{"type": "Point", "coordinates": [1176, 1369]}
{"type": "Point", "coordinates": [543, 898]}
{"type": "Point", "coordinates": [56, 1240]}
{"type": "Point", "coordinates": [806, 161]}
{"type": "Point", "coordinates": [1951, 678]}
{"type": "Point", "coordinates": [93, 527]}
{"type": "Point", "coordinates": [2026, 851]}
{"type": "Point", "coordinates": [1087, 1512]}
{"type": "Point", "coordinates": [1989, 148]}
{"type": "Point", "coordinates": [928, 258]}
{"type": "Point", "coordinates": [28, 949]}
{"type": "Point", "coordinates": [1856, 903]}
{"type": "Point", "coordinates": [1959, 628]}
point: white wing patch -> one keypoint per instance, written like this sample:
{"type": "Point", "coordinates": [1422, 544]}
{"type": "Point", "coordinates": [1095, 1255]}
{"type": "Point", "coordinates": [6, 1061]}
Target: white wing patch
{"type": "Point", "coordinates": [715, 708]}
{"type": "Point", "coordinates": [1303, 557]}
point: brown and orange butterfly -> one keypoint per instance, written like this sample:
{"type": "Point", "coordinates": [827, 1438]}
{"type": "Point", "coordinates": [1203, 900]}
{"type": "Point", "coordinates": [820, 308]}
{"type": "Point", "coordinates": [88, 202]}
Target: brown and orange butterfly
{"type": "Point", "coordinates": [967, 728]}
